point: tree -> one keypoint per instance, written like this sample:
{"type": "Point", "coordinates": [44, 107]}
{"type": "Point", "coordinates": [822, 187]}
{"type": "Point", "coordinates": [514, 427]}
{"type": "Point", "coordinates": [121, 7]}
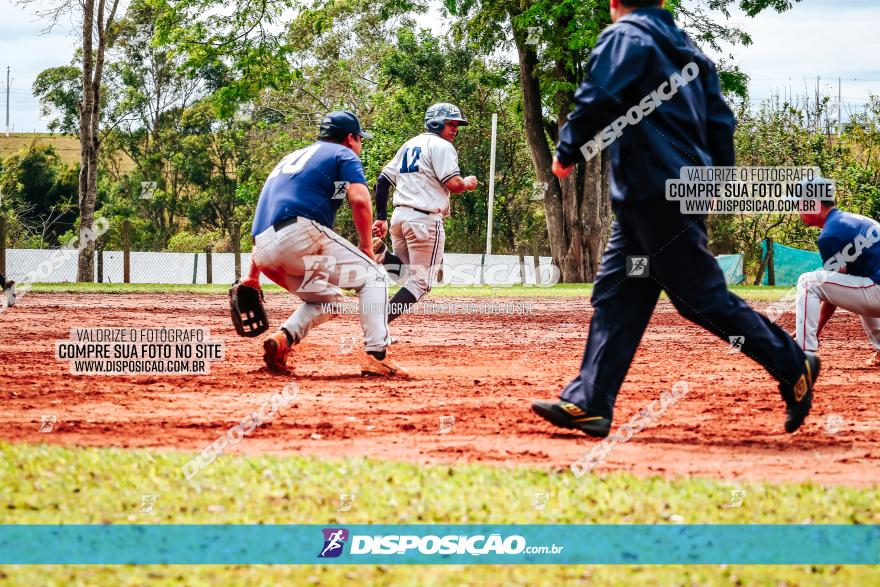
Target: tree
{"type": "Point", "coordinates": [40, 192]}
{"type": "Point", "coordinates": [552, 39]}
{"type": "Point", "coordinates": [98, 20]}
{"type": "Point", "coordinates": [152, 96]}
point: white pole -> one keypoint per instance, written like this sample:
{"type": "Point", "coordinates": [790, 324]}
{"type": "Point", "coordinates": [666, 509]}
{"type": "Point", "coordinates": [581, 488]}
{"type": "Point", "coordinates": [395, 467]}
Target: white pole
{"type": "Point", "coordinates": [7, 102]}
{"type": "Point", "coordinates": [491, 184]}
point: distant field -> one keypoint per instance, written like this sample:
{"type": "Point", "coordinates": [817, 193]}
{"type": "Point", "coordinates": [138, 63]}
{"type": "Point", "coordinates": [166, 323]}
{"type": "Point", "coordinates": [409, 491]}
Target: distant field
{"type": "Point", "coordinates": [67, 146]}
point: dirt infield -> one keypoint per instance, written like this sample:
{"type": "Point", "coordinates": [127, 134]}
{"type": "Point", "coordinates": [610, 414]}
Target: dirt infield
{"type": "Point", "coordinates": [481, 369]}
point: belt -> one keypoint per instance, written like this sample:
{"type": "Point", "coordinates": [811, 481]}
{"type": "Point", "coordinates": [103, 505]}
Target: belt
{"type": "Point", "coordinates": [282, 223]}
{"type": "Point", "coordinates": [418, 210]}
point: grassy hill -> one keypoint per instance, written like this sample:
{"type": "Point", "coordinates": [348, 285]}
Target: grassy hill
{"type": "Point", "coordinates": [67, 146]}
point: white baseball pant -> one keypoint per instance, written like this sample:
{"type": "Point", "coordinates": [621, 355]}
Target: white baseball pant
{"type": "Point", "coordinates": [314, 263]}
{"type": "Point", "coordinates": [417, 239]}
{"type": "Point", "coordinates": [859, 295]}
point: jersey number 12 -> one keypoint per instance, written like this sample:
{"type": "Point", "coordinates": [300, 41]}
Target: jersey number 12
{"type": "Point", "coordinates": [412, 166]}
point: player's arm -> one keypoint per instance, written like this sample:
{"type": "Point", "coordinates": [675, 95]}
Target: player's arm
{"type": "Point", "coordinates": [387, 178]}
{"type": "Point", "coordinates": [362, 214]}
{"type": "Point", "coordinates": [444, 161]}
{"type": "Point", "coordinates": [720, 121]}
{"type": "Point", "coordinates": [827, 309]}
{"type": "Point", "coordinates": [253, 277]}
{"type": "Point", "coordinates": [616, 62]}
{"type": "Point", "coordinates": [459, 184]}
{"type": "Point", "coordinates": [383, 188]}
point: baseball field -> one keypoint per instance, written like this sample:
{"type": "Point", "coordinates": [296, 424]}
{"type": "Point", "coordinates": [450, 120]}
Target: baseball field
{"type": "Point", "coordinates": [457, 443]}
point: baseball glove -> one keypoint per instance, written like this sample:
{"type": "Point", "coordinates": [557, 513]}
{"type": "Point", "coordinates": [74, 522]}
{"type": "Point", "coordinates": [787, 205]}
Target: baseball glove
{"type": "Point", "coordinates": [379, 249]}
{"type": "Point", "coordinates": [248, 313]}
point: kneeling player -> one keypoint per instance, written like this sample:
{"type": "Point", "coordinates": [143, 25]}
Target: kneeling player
{"type": "Point", "coordinates": [295, 246]}
{"type": "Point", "coordinates": [850, 280]}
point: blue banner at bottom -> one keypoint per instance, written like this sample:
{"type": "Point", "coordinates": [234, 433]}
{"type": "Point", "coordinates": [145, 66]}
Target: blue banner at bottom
{"type": "Point", "coordinates": [439, 544]}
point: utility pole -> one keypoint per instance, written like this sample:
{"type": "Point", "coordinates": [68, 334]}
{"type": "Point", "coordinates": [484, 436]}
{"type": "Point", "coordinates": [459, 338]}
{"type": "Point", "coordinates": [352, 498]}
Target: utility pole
{"type": "Point", "coordinates": [7, 101]}
{"type": "Point", "coordinates": [839, 107]}
{"type": "Point", "coordinates": [818, 106]}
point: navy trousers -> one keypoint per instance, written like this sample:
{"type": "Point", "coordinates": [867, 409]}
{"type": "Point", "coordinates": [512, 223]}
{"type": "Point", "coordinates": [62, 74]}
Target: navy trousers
{"type": "Point", "coordinates": [679, 263]}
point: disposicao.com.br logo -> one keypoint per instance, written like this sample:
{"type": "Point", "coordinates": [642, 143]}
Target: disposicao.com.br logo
{"type": "Point", "coordinates": [393, 544]}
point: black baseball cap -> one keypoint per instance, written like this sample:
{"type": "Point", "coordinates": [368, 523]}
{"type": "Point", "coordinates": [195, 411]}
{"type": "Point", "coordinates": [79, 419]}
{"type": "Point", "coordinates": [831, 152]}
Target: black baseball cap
{"type": "Point", "coordinates": [342, 123]}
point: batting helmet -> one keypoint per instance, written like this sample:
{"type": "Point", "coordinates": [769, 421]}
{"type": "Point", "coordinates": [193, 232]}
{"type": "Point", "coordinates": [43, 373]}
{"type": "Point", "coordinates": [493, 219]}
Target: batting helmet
{"type": "Point", "coordinates": [438, 114]}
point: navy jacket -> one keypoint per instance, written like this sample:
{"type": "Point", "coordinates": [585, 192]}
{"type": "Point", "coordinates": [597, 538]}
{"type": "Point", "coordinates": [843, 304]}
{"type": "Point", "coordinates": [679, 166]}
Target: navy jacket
{"type": "Point", "coordinates": [633, 58]}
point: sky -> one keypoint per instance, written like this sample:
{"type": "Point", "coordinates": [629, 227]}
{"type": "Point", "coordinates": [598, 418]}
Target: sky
{"type": "Point", "coordinates": [827, 38]}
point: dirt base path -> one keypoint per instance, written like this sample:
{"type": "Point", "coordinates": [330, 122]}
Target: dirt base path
{"type": "Point", "coordinates": [481, 369]}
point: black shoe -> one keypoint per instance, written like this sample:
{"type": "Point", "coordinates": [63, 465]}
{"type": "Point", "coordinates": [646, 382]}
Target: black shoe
{"type": "Point", "coordinates": [568, 415]}
{"type": "Point", "coordinates": [799, 398]}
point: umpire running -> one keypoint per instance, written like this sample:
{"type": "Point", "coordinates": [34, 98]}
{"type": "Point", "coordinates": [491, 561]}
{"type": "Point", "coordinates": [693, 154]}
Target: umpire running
{"type": "Point", "coordinates": [644, 53]}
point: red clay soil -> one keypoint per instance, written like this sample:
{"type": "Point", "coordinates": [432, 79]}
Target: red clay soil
{"type": "Point", "coordinates": [481, 369]}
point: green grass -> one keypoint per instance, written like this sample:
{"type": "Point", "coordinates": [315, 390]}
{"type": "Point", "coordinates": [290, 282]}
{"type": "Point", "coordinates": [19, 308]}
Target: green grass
{"type": "Point", "coordinates": [755, 293]}
{"type": "Point", "coordinates": [51, 484]}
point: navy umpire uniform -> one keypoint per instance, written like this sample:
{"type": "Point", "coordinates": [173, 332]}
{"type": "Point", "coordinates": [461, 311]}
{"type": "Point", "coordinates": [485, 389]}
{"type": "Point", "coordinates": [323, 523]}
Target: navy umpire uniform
{"type": "Point", "coordinates": [694, 127]}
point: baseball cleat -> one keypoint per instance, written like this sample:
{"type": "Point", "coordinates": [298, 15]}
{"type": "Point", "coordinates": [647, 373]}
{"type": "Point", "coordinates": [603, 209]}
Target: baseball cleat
{"type": "Point", "coordinates": [276, 351]}
{"type": "Point", "coordinates": [379, 249]}
{"type": "Point", "coordinates": [568, 415]}
{"type": "Point", "coordinates": [373, 367]}
{"type": "Point", "coordinates": [874, 361]}
{"type": "Point", "coordinates": [799, 398]}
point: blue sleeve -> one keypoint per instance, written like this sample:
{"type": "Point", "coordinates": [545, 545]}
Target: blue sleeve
{"type": "Point", "coordinates": [349, 167]}
{"type": "Point", "coordinates": [617, 60]}
{"type": "Point", "coordinates": [720, 121]}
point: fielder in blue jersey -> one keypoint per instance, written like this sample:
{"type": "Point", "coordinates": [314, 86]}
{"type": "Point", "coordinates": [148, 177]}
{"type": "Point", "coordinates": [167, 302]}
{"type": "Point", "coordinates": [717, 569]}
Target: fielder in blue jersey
{"type": "Point", "coordinates": [295, 245]}
{"type": "Point", "coordinates": [850, 278]}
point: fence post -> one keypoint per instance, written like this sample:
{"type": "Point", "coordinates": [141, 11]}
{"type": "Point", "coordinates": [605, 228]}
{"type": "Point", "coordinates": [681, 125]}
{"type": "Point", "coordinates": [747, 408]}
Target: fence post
{"type": "Point", "coordinates": [126, 252]}
{"type": "Point", "coordinates": [536, 258]}
{"type": "Point", "coordinates": [99, 251]}
{"type": "Point", "coordinates": [209, 264]}
{"type": "Point", "coordinates": [195, 267]}
{"type": "Point", "coordinates": [2, 245]}
{"type": "Point", "coordinates": [522, 266]}
{"type": "Point", "coordinates": [236, 248]}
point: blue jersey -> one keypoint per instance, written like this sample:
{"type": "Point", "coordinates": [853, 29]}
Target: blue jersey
{"type": "Point", "coordinates": [310, 183]}
{"type": "Point", "coordinates": [851, 240]}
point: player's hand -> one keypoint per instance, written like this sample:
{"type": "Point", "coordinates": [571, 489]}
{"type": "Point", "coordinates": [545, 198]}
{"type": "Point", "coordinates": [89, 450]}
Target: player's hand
{"type": "Point", "coordinates": [470, 183]}
{"type": "Point", "coordinates": [559, 170]}
{"type": "Point", "coordinates": [380, 228]}
{"type": "Point", "coordinates": [253, 282]}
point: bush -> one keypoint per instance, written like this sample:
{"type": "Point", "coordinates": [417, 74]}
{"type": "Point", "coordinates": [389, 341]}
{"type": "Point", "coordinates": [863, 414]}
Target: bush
{"type": "Point", "coordinates": [186, 242]}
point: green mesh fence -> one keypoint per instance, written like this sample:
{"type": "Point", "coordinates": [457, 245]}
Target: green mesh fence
{"type": "Point", "coordinates": [732, 265]}
{"type": "Point", "coordinates": [790, 263]}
